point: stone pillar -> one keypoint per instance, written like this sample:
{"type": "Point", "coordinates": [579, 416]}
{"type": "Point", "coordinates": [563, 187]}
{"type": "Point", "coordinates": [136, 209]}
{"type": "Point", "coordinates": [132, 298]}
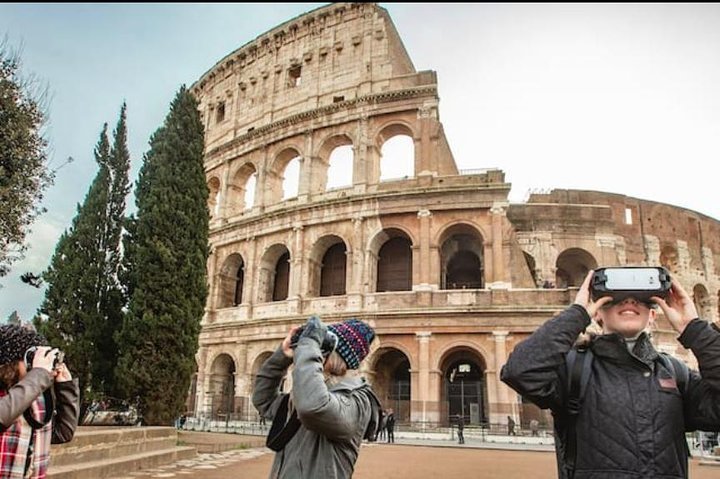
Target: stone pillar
{"type": "Point", "coordinates": [356, 262]}
{"type": "Point", "coordinates": [506, 405]}
{"type": "Point", "coordinates": [499, 274]}
{"type": "Point", "coordinates": [422, 278]}
{"type": "Point", "coordinates": [421, 391]}
{"type": "Point", "coordinates": [362, 153]}
{"type": "Point", "coordinates": [203, 403]}
{"type": "Point", "coordinates": [296, 270]}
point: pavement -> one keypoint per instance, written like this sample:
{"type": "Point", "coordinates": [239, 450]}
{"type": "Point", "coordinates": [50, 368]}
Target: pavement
{"type": "Point", "coordinates": [220, 454]}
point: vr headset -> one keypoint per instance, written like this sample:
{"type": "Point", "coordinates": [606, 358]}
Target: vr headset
{"type": "Point", "coordinates": [641, 283]}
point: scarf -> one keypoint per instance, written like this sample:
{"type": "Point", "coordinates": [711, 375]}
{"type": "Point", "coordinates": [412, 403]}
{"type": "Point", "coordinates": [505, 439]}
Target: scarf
{"type": "Point", "coordinates": [15, 443]}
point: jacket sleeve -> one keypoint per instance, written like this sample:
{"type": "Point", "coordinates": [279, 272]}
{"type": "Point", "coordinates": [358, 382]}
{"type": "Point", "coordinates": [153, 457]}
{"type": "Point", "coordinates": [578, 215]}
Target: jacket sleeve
{"type": "Point", "coordinates": [67, 406]}
{"type": "Point", "coordinates": [20, 396]}
{"type": "Point", "coordinates": [536, 367]}
{"type": "Point", "coordinates": [268, 381]}
{"type": "Point", "coordinates": [702, 396]}
{"type": "Point", "coordinates": [334, 415]}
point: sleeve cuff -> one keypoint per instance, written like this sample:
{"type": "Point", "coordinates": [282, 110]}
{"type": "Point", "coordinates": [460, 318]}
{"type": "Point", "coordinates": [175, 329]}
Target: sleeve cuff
{"type": "Point", "coordinates": [692, 332]}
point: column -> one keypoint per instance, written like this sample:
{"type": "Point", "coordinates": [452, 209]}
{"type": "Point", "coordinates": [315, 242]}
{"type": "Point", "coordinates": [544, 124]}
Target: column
{"type": "Point", "coordinates": [498, 213]}
{"type": "Point", "coordinates": [504, 404]}
{"type": "Point", "coordinates": [423, 277]}
{"type": "Point", "coordinates": [420, 398]}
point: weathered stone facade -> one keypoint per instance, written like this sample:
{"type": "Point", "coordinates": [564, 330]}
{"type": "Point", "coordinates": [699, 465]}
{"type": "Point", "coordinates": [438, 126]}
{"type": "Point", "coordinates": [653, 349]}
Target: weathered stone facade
{"type": "Point", "coordinates": [448, 272]}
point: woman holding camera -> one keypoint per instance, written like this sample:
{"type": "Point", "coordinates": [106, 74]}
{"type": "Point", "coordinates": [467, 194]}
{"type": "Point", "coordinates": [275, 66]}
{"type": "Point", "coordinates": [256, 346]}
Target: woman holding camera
{"type": "Point", "coordinates": [39, 403]}
{"type": "Point", "coordinates": [637, 403]}
{"type": "Point", "coordinates": [318, 427]}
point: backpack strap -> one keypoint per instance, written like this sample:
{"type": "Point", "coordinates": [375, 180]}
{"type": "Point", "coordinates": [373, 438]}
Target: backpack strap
{"type": "Point", "coordinates": [579, 368]}
{"type": "Point", "coordinates": [282, 429]}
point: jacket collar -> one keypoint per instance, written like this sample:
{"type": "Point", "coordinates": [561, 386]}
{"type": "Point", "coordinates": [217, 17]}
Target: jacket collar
{"type": "Point", "coordinates": [348, 384]}
{"type": "Point", "coordinates": [613, 347]}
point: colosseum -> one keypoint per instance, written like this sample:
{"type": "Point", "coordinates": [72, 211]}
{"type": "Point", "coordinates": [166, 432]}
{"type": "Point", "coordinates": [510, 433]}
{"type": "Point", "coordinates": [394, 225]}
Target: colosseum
{"type": "Point", "coordinates": [334, 192]}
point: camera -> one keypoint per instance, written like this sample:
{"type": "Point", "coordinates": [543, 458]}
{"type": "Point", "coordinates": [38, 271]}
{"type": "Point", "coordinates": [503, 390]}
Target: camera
{"type": "Point", "coordinates": [641, 283]}
{"type": "Point", "coordinates": [328, 345]}
{"type": "Point", "coordinates": [30, 355]}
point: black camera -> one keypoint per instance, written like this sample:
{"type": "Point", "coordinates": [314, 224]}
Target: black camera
{"type": "Point", "coordinates": [328, 345]}
{"type": "Point", "coordinates": [641, 283]}
{"type": "Point", "coordinates": [30, 355]}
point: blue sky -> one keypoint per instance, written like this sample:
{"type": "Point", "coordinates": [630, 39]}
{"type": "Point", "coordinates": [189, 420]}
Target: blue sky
{"type": "Point", "coordinates": [621, 98]}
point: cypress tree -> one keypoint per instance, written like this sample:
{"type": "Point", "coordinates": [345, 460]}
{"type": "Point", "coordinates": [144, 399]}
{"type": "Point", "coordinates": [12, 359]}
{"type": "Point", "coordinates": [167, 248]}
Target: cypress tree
{"type": "Point", "coordinates": [82, 305]}
{"type": "Point", "coordinates": [166, 261]}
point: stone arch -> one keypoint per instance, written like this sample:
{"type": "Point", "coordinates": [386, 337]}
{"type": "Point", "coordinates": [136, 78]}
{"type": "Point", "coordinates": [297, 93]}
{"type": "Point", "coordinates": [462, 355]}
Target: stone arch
{"type": "Point", "coordinates": [396, 145]}
{"type": "Point", "coordinates": [277, 180]}
{"type": "Point", "coordinates": [274, 274]}
{"type": "Point", "coordinates": [462, 264]}
{"type": "Point", "coordinates": [231, 281]}
{"type": "Point", "coordinates": [222, 385]}
{"type": "Point", "coordinates": [336, 163]}
{"type": "Point", "coordinates": [241, 189]}
{"type": "Point", "coordinates": [703, 304]}
{"type": "Point", "coordinates": [572, 266]}
{"type": "Point", "coordinates": [670, 259]}
{"type": "Point", "coordinates": [392, 381]}
{"type": "Point", "coordinates": [463, 388]}
{"type": "Point", "coordinates": [392, 253]}
{"type": "Point", "coordinates": [214, 196]}
{"type": "Point", "coordinates": [328, 266]}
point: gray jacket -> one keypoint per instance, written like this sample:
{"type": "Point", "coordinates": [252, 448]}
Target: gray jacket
{"type": "Point", "coordinates": [333, 419]}
{"type": "Point", "coordinates": [634, 416]}
{"type": "Point", "coordinates": [20, 396]}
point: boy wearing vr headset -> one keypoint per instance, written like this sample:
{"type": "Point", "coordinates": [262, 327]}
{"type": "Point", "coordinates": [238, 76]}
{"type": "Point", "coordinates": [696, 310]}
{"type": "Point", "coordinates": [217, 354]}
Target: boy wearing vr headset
{"type": "Point", "coordinates": [627, 416]}
{"type": "Point", "coordinates": [39, 403]}
{"type": "Point", "coordinates": [318, 427]}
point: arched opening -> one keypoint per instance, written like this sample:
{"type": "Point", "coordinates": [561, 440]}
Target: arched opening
{"type": "Point", "coordinates": [282, 181]}
{"type": "Point", "coordinates": [231, 281]}
{"type": "Point", "coordinates": [241, 190]}
{"type": "Point", "coordinates": [572, 266]}
{"type": "Point", "coordinates": [464, 391]}
{"type": "Point", "coordinates": [394, 264]}
{"type": "Point", "coordinates": [461, 256]}
{"type": "Point", "coordinates": [274, 274]}
{"type": "Point", "coordinates": [392, 382]}
{"type": "Point", "coordinates": [333, 270]}
{"type": "Point", "coordinates": [222, 385]}
{"type": "Point", "coordinates": [397, 158]}
{"type": "Point", "coordinates": [214, 197]}
{"type": "Point", "coordinates": [340, 169]}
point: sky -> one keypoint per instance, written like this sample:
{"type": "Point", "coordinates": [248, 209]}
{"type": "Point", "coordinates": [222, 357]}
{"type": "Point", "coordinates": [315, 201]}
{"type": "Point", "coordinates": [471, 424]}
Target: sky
{"type": "Point", "coordinates": [621, 98]}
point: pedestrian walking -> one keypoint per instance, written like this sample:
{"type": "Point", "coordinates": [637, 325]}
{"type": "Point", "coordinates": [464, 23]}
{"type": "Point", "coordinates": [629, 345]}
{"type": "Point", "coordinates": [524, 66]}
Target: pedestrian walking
{"type": "Point", "coordinates": [461, 429]}
{"type": "Point", "coordinates": [390, 426]}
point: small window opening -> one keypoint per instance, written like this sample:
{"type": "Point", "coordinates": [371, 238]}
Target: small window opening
{"type": "Point", "coordinates": [295, 76]}
{"type": "Point", "coordinates": [220, 112]}
{"type": "Point", "coordinates": [628, 216]}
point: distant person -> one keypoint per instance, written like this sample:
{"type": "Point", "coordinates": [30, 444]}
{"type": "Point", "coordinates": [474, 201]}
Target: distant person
{"type": "Point", "coordinates": [319, 426]}
{"type": "Point", "coordinates": [39, 403]}
{"type": "Point", "coordinates": [461, 429]}
{"type": "Point", "coordinates": [511, 426]}
{"type": "Point", "coordinates": [382, 432]}
{"type": "Point", "coordinates": [638, 403]}
{"type": "Point", "coordinates": [390, 426]}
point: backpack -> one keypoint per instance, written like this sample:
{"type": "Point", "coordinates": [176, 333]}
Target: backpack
{"type": "Point", "coordinates": [579, 367]}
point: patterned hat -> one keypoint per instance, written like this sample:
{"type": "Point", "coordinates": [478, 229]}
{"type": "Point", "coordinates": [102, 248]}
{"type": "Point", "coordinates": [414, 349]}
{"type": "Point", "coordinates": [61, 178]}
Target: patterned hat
{"type": "Point", "coordinates": [354, 338]}
{"type": "Point", "coordinates": [15, 340]}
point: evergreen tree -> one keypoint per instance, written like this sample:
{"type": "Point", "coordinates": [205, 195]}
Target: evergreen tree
{"type": "Point", "coordinates": [166, 261]}
{"type": "Point", "coordinates": [82, 305]}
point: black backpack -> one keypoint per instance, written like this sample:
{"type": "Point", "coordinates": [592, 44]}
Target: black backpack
{"type": "Point", "coordinates": [579, 368]}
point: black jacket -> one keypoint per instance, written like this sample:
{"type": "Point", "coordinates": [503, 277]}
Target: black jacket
{"type": "Point", "coordinates": [633, 419]}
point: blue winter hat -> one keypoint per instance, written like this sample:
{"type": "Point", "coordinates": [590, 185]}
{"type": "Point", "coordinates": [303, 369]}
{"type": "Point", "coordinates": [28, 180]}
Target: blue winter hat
{"type": "Point", "coordinates": [354, 338]}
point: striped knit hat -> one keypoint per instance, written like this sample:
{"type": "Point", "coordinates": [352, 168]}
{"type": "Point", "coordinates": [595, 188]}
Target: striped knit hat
{"type": "Point", "coordinates": [15, 340]}
{"type": "Point", "coordinates": [354, 338]}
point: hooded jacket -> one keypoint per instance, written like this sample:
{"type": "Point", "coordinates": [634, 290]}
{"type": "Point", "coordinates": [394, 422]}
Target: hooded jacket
{"type": "Point", "coordinates": [334, 418]}
{"type": "Point", "coordinates": [633, 418]}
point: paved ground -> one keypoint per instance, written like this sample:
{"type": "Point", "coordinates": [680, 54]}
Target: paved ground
{"type": "Point", "coordinates": [391, 461]}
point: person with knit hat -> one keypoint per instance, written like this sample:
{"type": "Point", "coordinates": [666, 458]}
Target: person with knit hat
{"type": "Point", "coordinates": [39, 402]}
{"type": "Point", "coordinates": [318, 427]}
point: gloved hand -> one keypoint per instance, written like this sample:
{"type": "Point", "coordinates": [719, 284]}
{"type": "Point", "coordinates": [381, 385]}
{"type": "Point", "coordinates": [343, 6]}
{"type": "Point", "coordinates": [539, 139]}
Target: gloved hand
{"type": "Point", "coordinates": [315, 329]}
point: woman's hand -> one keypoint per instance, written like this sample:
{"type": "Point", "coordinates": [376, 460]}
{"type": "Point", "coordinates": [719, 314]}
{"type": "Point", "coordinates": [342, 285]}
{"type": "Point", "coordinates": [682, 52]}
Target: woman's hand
{"type": "Point", "coordinates": [678, 307]}
{"type": "Point", "coordinates": [584, 298]}
{"type": "Point", "coordinates": [62, 373]}
{"type": "Point", "coordinates": [287, 350]}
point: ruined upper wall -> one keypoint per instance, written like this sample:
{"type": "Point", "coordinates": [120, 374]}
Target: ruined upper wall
{"type": "Point", "coordinates": [336, 53]}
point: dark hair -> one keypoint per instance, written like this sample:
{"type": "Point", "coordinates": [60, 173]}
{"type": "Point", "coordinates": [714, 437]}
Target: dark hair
{"type": "Point", "coordinates": [9, 375]}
